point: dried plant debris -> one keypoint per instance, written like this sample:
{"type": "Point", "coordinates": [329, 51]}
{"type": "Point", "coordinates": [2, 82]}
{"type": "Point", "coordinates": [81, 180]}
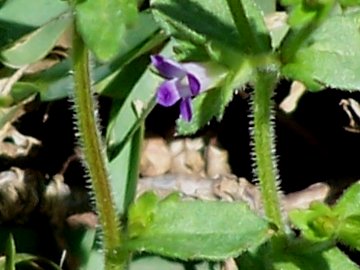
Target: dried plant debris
{"type": "Point", "coordinates": [352, 109]}
{"type": "Point", "coordinates": [228, 188]}
{"type": "Point", "coordinates": [289, 104]}
{"type": "Point", "coordinates": [60, 201]}
{"type": "Point", "coordinates": [23, 192]}
{"type": "Point", "coordinates": [14, 145]}
{"type": "Point", "coordinates": [19, 194]}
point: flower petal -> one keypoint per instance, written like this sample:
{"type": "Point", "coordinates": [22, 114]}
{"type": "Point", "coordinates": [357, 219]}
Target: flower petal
{"type": "Point", "coordinates": [167, 68]}
{"type": "Point", "coordinates": [186, 109]}
{"type": "Point", "coordinates": [201, 72]}
{"type": "Point", "coordinates": [168, 93]}
{"type": "Point", "coordinates": [194, 84]}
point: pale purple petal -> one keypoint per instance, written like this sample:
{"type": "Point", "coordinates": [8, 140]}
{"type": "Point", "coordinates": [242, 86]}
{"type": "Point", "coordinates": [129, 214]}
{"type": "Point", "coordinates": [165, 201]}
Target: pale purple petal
{"type": "Point", "coordinates": [201, 74]}
{"type": "Point", "coordinates": [168, 93]}
{"type": "Point", "coordinates": [167, 68]}
{"type": "Point", "coordinates": [194, 84]}
{"type": "Point", "coordinates": [186, 109]}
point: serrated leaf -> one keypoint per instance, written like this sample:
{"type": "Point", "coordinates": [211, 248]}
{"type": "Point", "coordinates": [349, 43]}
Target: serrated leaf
{"type": "Point", "coordinates": [102, 24]}
{"type": "Point", "coordinates": [36, 45]}
{"type": "Point", "coordinates": [190, 19]}
{"type": "Point", "coordinates": [316, 223]}
{"type": "Point", "coordinates": [349, 232]}
{"type": "Point", "coordinates": [330, 57]}
{"type": "Point", "coordinates": [201, 230]}
{"type": "Point", "coordinates": [349, 203]}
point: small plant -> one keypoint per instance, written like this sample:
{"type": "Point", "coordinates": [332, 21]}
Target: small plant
{"type": "Point", "coordinates": [200, 53]}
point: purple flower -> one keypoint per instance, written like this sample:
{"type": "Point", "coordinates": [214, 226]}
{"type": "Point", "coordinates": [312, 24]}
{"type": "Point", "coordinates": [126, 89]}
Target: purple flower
{"type": "Point", "coordinates": [183, 81]}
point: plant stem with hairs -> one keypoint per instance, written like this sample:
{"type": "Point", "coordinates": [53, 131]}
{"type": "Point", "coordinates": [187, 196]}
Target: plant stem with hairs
{"type": "Point", "coordinates": [266, 167]}
{"type": "Point", "coordinates": [94, 156]}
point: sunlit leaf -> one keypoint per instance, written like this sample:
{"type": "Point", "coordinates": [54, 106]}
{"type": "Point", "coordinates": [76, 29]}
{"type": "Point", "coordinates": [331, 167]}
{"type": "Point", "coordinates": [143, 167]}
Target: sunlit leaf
{"type": "Point", "coordinates": [330, 57]}
{"type": "Point", "coordinates": [36, 45]}
{"type": "Point", "coordinates": [190, 19]}
{"type": "Point", "coordinates": [20, 17]}
{"type": "Point", "coordinates": [201, 230]}
{"type": "Point", "coordinates": [349, 202]}
{"type": "Point", "coordinates": [102, 24]}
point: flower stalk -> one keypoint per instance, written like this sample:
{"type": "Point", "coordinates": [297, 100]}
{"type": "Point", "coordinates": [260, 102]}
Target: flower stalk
{"type": "Point", "coordinates": [94, 154]}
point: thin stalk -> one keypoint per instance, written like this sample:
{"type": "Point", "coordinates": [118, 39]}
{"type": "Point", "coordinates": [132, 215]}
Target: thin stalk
{"type": "Point", "coordinates": [135, 157]}
{"type": "Point", "coordinates": [264, 146]}
{"type": "Point", "coordinates": [93, 152]}
{"type": "Point", "coordinates": [245, 29]}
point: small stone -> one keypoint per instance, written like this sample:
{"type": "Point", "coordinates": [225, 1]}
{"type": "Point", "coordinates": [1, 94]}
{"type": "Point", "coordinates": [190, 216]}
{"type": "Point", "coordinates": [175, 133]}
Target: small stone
{"type": "Point", "coordinates": [155, 158]}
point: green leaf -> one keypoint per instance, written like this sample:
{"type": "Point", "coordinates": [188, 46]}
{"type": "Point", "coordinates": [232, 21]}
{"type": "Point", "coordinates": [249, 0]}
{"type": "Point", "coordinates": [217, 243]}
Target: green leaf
{"type": "Point", "coordinates": [57, 82]}
{"type": "Point", "coordinates": [148, 262]}
{"type": "Point", "coordinates": [102, 24]}
{"type": "Point", "coordinates": [36, 45]}
{"type": "Point", "coordinates": [267, 6]}
{"type": "Point", "coordinates": [301, 14]}
{"type": "Point", "coordinates": [201, 230]}
{"type": "Point", "coordinates": [349, 3]}
{"type": "Point", "coordinates": [10, 254]}
{"type": "Point", "coordinates": [330, 259]}
{"type": "Point", "coordinates": [126, 118]}
{"type": "Point", "coordinates": [349, 232]}
{"type": "Point", "coordinates": [349, 203]}
{"type": "Point", "coordinates": [79, 241]}
{"type": "Point", "coordinates": [189, 19]}
{"type": "Point", "coordinates": [21, 91]}
{"type": "Point", "coordinates": [141, 213]}
{"type": "Point", "coordinates": [205, 107]}
{"type": "Point", "coordinates": [330, 57]}
{"type": "Point", "coordinates": [20, 17]}
{"type": "Point", "coordinates": [318, 223]}
{"type": "Point", "coordinates": [306, 256]}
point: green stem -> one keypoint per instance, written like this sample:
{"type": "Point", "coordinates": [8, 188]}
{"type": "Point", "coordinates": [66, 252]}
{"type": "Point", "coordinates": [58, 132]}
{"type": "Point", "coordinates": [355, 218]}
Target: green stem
{"type": "Point", "coordinates": [244, 28]}
{"type": "Point", "coordinates": [264, 146]}
{"type": "Point", "coordinates": [93, 152]}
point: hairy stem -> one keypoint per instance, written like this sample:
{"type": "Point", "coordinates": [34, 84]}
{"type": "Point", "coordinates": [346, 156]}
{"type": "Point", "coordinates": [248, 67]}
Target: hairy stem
{"type": "Point", "coordinates": [94, 154]}
{"type": "Point", "coordinates": [264, 146]}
